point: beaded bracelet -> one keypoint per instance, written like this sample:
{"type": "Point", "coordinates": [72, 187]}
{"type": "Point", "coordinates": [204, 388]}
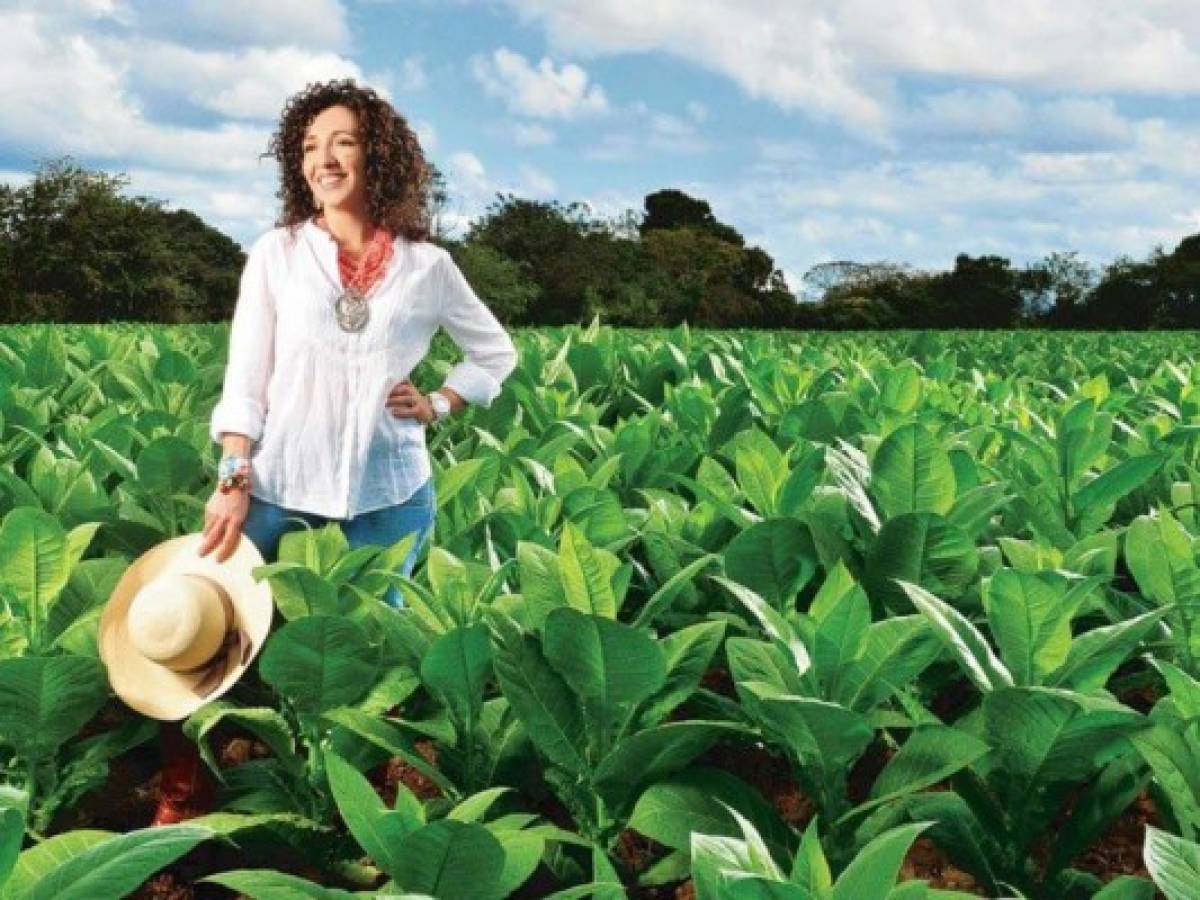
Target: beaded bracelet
{"type": "Point", "coordinates": [233, 474]}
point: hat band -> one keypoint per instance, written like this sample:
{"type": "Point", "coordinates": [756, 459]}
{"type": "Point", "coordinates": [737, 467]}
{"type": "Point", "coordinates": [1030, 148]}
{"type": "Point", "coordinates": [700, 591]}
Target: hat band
{"type": "Point", "coordinates": [236, 650]}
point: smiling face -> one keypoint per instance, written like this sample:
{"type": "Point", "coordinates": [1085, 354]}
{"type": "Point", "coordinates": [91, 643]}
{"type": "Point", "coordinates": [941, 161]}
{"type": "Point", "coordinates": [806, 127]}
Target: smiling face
{"type": "Point", "coordinates": [335, 160]}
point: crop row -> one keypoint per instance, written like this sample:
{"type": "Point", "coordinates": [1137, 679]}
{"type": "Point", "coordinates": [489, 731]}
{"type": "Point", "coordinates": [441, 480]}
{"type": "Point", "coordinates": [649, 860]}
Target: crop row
{"type": "Point", "coordinates": [736, 615]}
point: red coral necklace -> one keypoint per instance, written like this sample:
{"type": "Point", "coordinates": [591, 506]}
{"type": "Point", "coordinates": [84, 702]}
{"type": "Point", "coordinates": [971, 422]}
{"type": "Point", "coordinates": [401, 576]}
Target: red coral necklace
{"type": "Point", "coordinates": [359, 277]}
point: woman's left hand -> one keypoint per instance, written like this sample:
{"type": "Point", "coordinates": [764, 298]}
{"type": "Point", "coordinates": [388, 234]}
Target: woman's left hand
{"type": "Point", "coordinates": [405, 401]}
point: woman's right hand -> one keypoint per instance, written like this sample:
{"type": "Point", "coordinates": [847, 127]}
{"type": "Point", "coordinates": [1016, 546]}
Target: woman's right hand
{"type": "Point", "coordinates": [223, 518]}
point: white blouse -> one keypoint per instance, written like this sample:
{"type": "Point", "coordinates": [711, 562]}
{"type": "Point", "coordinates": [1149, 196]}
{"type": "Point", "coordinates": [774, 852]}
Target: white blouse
{"type": "Point", "coordinates": [312, 395]}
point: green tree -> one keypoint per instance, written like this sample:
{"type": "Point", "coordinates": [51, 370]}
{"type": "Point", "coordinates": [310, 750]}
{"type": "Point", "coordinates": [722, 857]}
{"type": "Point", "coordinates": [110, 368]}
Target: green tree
{"type": "Point", "coordinates": [76, 249]}
{"type": "Point", "coordinates": [502, 283]}
{"type": "Point", "coordinates": [669, 209]}
{"type": "Point", "coordinates": [1057, 288]}
{"type": "Point", "coordinates": [547, 238]}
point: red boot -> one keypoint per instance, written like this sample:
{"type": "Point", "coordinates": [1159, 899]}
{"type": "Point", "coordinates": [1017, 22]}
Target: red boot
{"type": "Point", "coordinates": [186, 788]}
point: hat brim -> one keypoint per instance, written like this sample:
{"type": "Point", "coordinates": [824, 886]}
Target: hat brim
{"type": "Point", "coordinates": [153, 689]}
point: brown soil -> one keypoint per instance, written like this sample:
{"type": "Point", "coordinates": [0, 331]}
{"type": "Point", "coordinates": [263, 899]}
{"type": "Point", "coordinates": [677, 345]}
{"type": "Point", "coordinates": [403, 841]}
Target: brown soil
{"type": "Point", "coordinates": [386, 776]}
{"type": "Point", "coordinates": [953, 700]}
{"type": "Point", "coordinates": [636, 851]}
{"type": "Point", "coordinates": [926, 861]}
{"type": "Point", "coordinates": [1119, 850]}
{"type": "Point", "coordinates": [766, 772]}
{"type": "Point", "coordinates": [719, 681]}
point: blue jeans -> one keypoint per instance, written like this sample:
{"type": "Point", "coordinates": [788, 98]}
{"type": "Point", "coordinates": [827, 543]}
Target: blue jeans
{"type": "Point", "coordinates": [266, 524]}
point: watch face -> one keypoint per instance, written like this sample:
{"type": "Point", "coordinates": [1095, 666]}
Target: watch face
{"type": "Point", "coordinates": [441, 404]}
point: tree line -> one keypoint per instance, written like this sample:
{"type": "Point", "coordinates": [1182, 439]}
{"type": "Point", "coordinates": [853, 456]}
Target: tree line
{"type": "Point", "coordinates": [75, 248]}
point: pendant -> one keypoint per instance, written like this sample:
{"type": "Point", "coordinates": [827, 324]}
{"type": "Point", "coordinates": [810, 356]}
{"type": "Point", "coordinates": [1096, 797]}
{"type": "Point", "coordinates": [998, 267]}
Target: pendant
{"type": "Point", "coordinates": [351, 310]}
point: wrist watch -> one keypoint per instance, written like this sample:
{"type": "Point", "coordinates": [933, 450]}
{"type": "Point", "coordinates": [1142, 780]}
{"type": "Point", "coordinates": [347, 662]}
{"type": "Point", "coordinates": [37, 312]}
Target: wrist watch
{"type": "Point", "coordinates": [441, 405]}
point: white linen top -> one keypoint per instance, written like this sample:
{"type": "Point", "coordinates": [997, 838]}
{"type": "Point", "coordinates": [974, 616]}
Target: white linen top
{"type": "Point", "coordinates": [312, 395]}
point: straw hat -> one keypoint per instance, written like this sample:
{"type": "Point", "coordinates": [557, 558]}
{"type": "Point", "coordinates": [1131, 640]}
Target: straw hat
{"type": "Point", "coordinates": [180, 628]}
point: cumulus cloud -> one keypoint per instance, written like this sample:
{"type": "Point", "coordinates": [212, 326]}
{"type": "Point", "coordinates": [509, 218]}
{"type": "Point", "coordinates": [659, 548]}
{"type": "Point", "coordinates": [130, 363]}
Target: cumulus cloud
{"type": "Point", "coordinates": [532, 134]}
{"type": "Point", "coordinates": [537, 183]}
{"type": "Point", "coordinates": [250, 83]}
{"type": "Point", "coordinates": [412, 74]}
{"type": "Point", "coordinates": [842, 59]}
{"type": "Point", "coordinates": [317, 24]}
{"type": "Point", "coordinates": [539, 92]}
{"type": "Point", "coordinates": [988, 112]}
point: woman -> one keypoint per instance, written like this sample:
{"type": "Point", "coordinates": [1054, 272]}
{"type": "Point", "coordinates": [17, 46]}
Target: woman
{"type": "Point", "coordinates": [317, 420]}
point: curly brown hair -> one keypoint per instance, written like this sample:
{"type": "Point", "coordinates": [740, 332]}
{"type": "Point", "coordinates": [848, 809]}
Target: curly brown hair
{"type": "Point", "coordinates": [399, 179]}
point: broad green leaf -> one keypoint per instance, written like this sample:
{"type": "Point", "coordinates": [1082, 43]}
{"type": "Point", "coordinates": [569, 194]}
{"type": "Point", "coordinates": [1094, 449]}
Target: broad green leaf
{"type": "Point", "coordinates": [587, 586]}
{"type": "Point", "coordinates": [969, 647]}
{"type": "Point", "coordinates": [1174, 864]}
{"type": "Point", "coordinates": [775, 626]}
{"type": "Point", "coordinates": [752, 660]}
{"type": "Point", "coordinates": [1159, 552]}
{"type": "Point", "coordinates": [895, 651]}
{"type": "Point", "coordinates": [299, 591]}
{"type": "Point", "coordinates": [1126, 887]}
{"type": "Point", "coordinates": [168, 465]}
{"type": "Point", "coordinates": [872, 872]}
{"type": "Point", "coordinates": [687, 654]}
{"type": "Point", "coordinates": [456, 669]}
{"type": "Point", "coordinates": [844, 619]}
{"type": "Point", "coordinates": [451, 861]}
{"type": "Point", "coordinates": [44, 701]}
{"type": "Point", "coordinates": [318, 663]}
{"type": "Point", "coordinates": [607, 663]}
{"type": "Point", "coordinates": [930, 754]}
{"type": "Point", "coordinates": [1042, 735]}
{"type": "Point", "coordinates": [924, 549]}
{"type": "Point", "coordinates": [1093, 501]}
{"type": "Point", "coordinates": [12, 833]}
{"type": "Point", "coordinates": [775, 559]}
{"type": "Point", "coordinates": [377, 830]}
{"type": "Point", "coordinates": [1030, 619]}
{"type": "Point", "coordinates": [823, 736]}
{"type": "Point", "coordinates": [761, 470]}
{"type": "Point", "coordinates": [265, 723]}
{"type": "Point", "coordinates": [697, 800]}
{"type": "Point", "coordinates": [1173, 760]}
{"type": "Point", "coordinates": [653, 754]}
{"type": "Point", "coordinates": [266, 884]}
{"type": "Point", "coordinates": [112, 868]}
{"type": "Point", "coordinates": [34, 548]}
{"type": "Point", "coordinates": [540, 698]}
{"type": "Point", "coordinates": [911, 473]}
{"type": "Point", "coordinates": [1095, 654]}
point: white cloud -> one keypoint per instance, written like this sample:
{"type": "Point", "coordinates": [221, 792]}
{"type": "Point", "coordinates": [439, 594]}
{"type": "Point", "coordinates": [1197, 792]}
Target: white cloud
{"type": "Point", "coordinates": [427, 135]}
{"type": "Point", "coordinates": [413, 77]}
{"type": "Point", "coordinates": [317, 24]}
{"type": "Point", "coordinates": [532, 134]}
{"type": "Point", "coordinates": [1083, 121]}
{"type": "Point", "coordinates": [841, 59]}
{"type": "Point", "coordinates": [697, 110]}
{"type": "Point", "coordinates": [537, 183]}
{"type": "Point", "coordinates": [468, 167]}
{"type": "Point", "coordinates": [250, 83]}
{"type": "Point", "coordinates": [541, 92]}
{"type": "Point", "coordinates": [990, 112]}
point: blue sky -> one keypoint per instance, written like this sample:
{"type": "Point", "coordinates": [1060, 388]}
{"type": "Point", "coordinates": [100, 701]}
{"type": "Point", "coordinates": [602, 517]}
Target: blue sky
{"type": "Point", "coordinates": [821, 129]}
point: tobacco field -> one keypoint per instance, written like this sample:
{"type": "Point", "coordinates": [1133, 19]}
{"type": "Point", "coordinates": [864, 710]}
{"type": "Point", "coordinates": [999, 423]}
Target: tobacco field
{"type": "Point", "coordinates": [706, 614]}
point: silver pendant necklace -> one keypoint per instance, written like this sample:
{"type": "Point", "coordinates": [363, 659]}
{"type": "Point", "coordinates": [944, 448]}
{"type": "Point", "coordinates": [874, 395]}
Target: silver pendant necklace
{"type": "Point", "coordinates": [351, 310]}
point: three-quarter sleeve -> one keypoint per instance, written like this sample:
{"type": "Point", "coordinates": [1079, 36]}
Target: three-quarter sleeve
{"type": "Point", "coordinates": [488, 351]}
{"type": "Point", "coordinates": [242, 408]}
